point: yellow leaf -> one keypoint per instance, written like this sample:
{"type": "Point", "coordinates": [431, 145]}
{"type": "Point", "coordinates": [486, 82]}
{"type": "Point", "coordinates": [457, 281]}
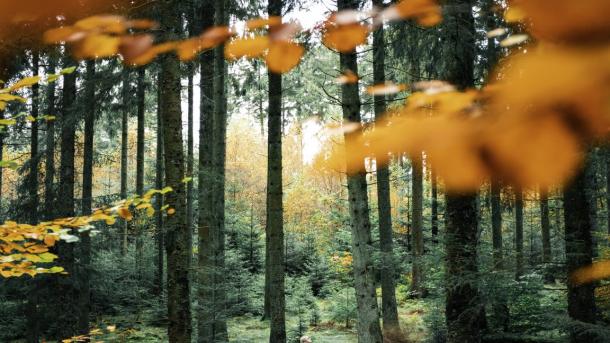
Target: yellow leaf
{"type": "Point", "coordinates": [7, 122]}
{"type": "Point", "coordinates": [97, 46]}
{"type": "Point", "coordinates": [150, 211]}
{"type": "Point", "coordinates": [47, 257]}
{"type": "Point", "coordinates": [513, 40]}
{"type": "Point", "coordinates": [425, 12]}
{"type": "Point", "coordinates": [345, 38]}
{"type": "Point", "coordinates": [166, 190]}
{"type": "Point", "coordinates": [104, 23]}
{"type": "Point", "coordinates": [37, 249]}
{"type": "Point", "coordinates": [514, 14]}
{"type": "Point", "coordinates": [246, 47]}
{"type": "Point", "coordinates": [11, 97]}
{"type": "Point", "coordinates": [283, 56]}
{"type": "Point", "coordinates": [32, 258]}
{"type": "Point", "coordinates": [25, 82]}
{"type": "Point", "coordinates": [258, 23]}
{"type": "Point", "coordinates": [30, 118]}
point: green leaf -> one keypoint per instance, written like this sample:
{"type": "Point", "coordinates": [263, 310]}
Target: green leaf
{"type": "Point", "coordinates": [166, 190]}
{"type": "Point", "coordinates": [47, 257]}
{"type": "Point", "coordinates": [187, 179]}
{"type": "Point", "coordinates": [52, 78]}
{"type": "Point", "coordinates": [9, 164]}
{"type": "Point", "coordinates": [68, 70]}
{"type": "Point", "coordinates": [56, 269]}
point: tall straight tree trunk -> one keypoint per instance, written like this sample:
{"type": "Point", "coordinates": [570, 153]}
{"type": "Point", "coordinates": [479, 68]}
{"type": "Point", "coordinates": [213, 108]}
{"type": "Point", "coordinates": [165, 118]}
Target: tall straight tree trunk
{"type": "Point", "coordinates": [124, 149]}
{"type": "Point", "coordinates": [519, 232]}
{"type": "Point", "coordinates": [579, 251]}
{"type": "Point", "coordinates": [140, 100]}
{"type": "Point", "coordinates": [417, 224]}
{"type": "Point", "coordinates": [434, 205]}
{"type": "Point", "coordinates": [499, 306]}
{"type": "Point", "coordinates": [545, 225]}
{"type": "Point", "coordinates": [159, 175]}
{"type": "Point", "coordinates": [34, 157]}
{"type": "Point", "coordinates": [463, 305]}
{"type": "Point", "coordinates": [219, 134]}
{"type": "Point", "coordinates": [190, 157]}
{"type": "Point", "coordinates": [204, 221]}
{"type": "Point", "coordinates": [49, 174]}
{"type": "Point", "coordinates": [275, 209]}
{"type": "Point", "coordinates": [384, 207]}
{"type": "Point", "coordinates": [32, 304]}
{"type": "Point", "coordinates": [85, 245]}
{"type": "Point", "coordinates": [177, 233]}
{"type": "Point", "coordinates": [607, 150]}
{"type": "Point", "coordinates": [67, 289]}
{"type": "Point", "coordinates": [362, 247]}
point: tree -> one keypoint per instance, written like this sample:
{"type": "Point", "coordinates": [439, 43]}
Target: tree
{"type": "Point", "coordinates": [519, 232]}
{"type": "Point", "coordinates": [545, 226]}
{"type": "Point", "coordinates": [275, 212]}
{"type": "Point", "coordinates": [384, 207]}
{"type": "Point", "coordinates": [177, 233]}
{"type": "Point", "coordinates": [124, 148]}
{"type": "Point", "coordinates": [417, 223]}
{"type": "Point", "coordinates": [140, 103]}
{"type": "Point", "coordinates": [205, 287]}
{"type": "Point", "coordinates": [500, 308]}
{"type": "Point", "coordinates": [463, 307]}
{"type": "Point", "coordinates": [159, 175]}
{"type": "Point", "coordinates": [362, 247]}
{"type": "Point", "coordinates": [49, 174]}
{"type": "Point", "coordinates": [579, 251]}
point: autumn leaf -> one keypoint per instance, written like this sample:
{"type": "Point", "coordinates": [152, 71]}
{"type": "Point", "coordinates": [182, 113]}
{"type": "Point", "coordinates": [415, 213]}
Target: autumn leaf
{"type": "Point", "coordinates": [385, 88]}
{"type": "Point", "coordinates": [171, 211]}
{"type": "Point", "coordinates": [103, 23]}
{"type": "Point", "coordinates": [283, 56]}
{"type": "Point", "coordinates": [348, 77]}
{"type": "Point", "coordinates": [258, 23]}
{"type": "Point", "coordinates": [345, 38]}
{"type": "Point", "coordinates": [596, 271]}
{"type": "Point", "coordinates": [63, 34]}
{"type": "Point", "coordinates": [249, 47]}
{"type": "Point", "coordinates": [131, 47]}
{"type": "Point", "coordinates": [25, 82]}
{"type": "Point", "coordinates": [124, 213]}
{"type": "Point", "coordinates": [97, 46]}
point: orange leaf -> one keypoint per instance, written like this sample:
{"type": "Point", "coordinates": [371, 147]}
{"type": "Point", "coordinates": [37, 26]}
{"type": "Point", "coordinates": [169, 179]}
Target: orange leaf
{"type": "Point", "coordinates": [283, 56]}
{"type": "Point", "coordinates": [594, 272]}
{"type": "Point", "coordinates": [246, 47]}
{"type": "Point", "coordinates": [259, 23]}
{"type": "Point", "coordinates": [385, 88]}
{"type": "Point", "coordinates": [103, 23]}
{"type": "Point", "coordinates": [131, 47]}
{"type": "Point", "coordinates": [345, 38]}
{"type": "Point", "coordinates": [125, 213]}
{"type": "Point", "coordinates": [349, 77]}
{"type": "Point", "coordinates": [151, 54]}
{"type": "Point", "coordinates": [63, 34]}
{"type": "Point", "coordinates": [97, 46]}
{"type": "Point", "coordinates": [171, 211]}
{"type": "Point", "coordinates": [50, 240]}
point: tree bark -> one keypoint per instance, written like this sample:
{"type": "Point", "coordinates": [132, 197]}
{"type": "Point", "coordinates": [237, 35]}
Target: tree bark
{"type": "Point", "coordinates": [140, 99]}
{"type": "Point", "coordinates": [369, 329]}
{"type": "Point", "coordinates": [159, 175]}
{"type": "Point", "coordinates": [463, 305]}
{"type": "Point", "coordinates": [518, 233]}
{"type": "Point", "coordinates": [417, 223]}
{"type": "Point", "coordinates": [218, 187]}
{"type": "Point", "coordinates": [176, 235]}
{"type": "Point", "coordinates": [434, 205]}
{"type": "Point", "coordinates": [190, 159]}
{"type": "Point", "coordinates": [499, 306]}
{"type": "Point", "coordinates": [205, 295]}
{"type": "Point", "coordinates": [384, 208]}
{"type": "Point", "coordinates": [275, 210]}
{"type": "Point", "coordinates": [49, 175]}
{"type": "Point", "coordinates": [67, 287]}
{"type": "Point", "coordinates": [545, 225]}
{"type": "Point", "coordinates": [579, 251]}
{"type": "Point", "coordinates": [124, 149]}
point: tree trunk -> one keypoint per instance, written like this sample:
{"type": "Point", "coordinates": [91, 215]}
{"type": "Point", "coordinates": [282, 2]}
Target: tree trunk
{"type": "Point", "coordinates": [518, 233]}
{"type": "Point", "coordinates": [417, 289]}
{"type": "Point", "coordinates": [67, 288]}
{"type": "Point", "coordinates": [85, 245]}
{"type": "Point", "coordinates": [176, 236]}
{"type": "Point", "coordinates": [140, 99]}
{"type": "Point", "coordinates": [49, 174]}
{"type": "Point", "coordinates": [463, 305]}
{"type": "Point", "coordinates": [388, 286]}
{"type": "Point", "coordinates": [362, 247]}
{"type": "Point", "coordinates": [124, 148]}
{"type": "Point", "coordinates": [190, 159]}
{"type": "Point", "coordinates": [499, 306]}
{"type": "Point", "coordinates": [275, 210]}
{"type": "Point", "coordinates": [608, 187]}
{"type": "Point", "coordinates": [434, 205]}
{"type": "Point", "coordinates": [159, 175]}
{"type": "Point", "coordinates": [579, 251]}
{"type": "Point", "coordinates": [204, 222]}
{"type": "Point", "coordinates": [32, 212]}
{"type": "Point", "coordinates": [545, 225]}
{"type": "Point", "coordinates": [218, 187]}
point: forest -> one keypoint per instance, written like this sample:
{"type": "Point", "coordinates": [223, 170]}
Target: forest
{"type": "Point", "coordinates": [305, 171]}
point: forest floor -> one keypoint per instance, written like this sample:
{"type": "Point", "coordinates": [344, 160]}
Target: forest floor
{"type": "Point", "coordinates": [250, 329]}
